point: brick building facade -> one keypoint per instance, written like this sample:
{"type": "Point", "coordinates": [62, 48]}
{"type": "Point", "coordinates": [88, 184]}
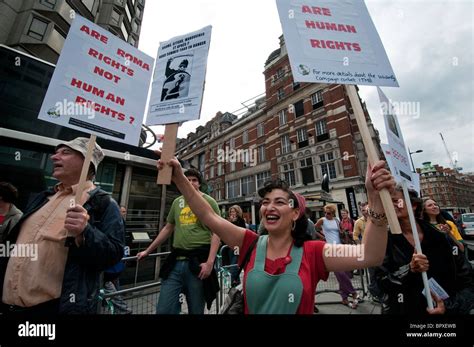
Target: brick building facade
{"type": "Point", "coordinates": [453, 191]}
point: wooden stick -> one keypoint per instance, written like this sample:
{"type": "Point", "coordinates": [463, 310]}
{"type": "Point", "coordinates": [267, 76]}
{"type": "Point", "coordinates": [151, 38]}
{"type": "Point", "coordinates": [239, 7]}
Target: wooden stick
{"type": "Point", "coordinates": [85, 168]}
{"type": "Point", "coordinates": [167, 153]}
{"type": "Point", "coordinates": [373, 157]}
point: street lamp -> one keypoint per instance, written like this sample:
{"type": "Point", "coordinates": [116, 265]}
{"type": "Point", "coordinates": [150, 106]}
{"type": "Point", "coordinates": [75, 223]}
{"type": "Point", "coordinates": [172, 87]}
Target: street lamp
{"type": "Point", "coordinates": [418, 151]}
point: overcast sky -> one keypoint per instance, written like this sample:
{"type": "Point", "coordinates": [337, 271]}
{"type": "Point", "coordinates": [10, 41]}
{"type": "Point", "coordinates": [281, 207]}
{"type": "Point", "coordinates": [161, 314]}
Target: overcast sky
{"type": "Point", "coordinates": [429, 44]}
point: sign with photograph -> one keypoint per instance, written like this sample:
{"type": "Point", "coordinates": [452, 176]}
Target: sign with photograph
{"type": "Point", "coordinates": [178, 80]}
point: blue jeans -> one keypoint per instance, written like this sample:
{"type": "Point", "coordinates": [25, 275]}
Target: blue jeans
{"type": "Point", "coordinates": [181, 281]}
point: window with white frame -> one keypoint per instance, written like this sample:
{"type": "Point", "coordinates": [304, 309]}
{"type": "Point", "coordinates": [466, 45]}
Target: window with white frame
{"type": "Point", "coordinates": [232, 166]}
{"type": "Point", "coordinates": [289, 174]}
{"type": "Point", "coordinates": [232, 143]}
{"type": "Point", "coordinates": [285, 144]}
{"type": "Point", "coordinates": [302, 137]}
{"type": "Point", "coordinates": [220, 171]}
{"type": "Point", "coordinates": [263, 177]}
{"type": "Point", "coordinates": [282, 116]}
{"type": "Point", "coordinates": [211, 172]}
{"type": "Point", "coordinates": [321, 127]}
{"type": "Point", "coordinates": [317, 99]}
{"type": "Point", "coordinates": [248, 185]}
{"type": "Point", "coordinates": [245, 137]}
{"type": "Point", "coordinates": [327, 165]}
{"type": "Point", "coordinates": [246, 158]}
{"type": "Point", "coordinates": [261, 153]}
{"type": "Point", "coordinates": [260, 129]}
{"type": "Point", "coordinates": [233, 189]}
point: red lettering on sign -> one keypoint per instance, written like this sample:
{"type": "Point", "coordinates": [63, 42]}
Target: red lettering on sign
{"type": "Point", "coordinates": [95, 34]}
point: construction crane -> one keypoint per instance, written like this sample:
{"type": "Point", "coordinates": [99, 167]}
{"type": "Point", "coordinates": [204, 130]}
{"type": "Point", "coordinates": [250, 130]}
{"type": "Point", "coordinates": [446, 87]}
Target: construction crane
{"type": "Point", "coordinates": [454, 162]}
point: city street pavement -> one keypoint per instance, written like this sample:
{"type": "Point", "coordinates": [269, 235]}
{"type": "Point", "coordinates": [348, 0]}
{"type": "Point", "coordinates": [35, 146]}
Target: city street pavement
{"type": "Point", "coordinates": [330, 303]}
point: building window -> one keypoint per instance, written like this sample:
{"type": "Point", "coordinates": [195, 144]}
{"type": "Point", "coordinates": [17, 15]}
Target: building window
{"type": "Point", "coordinates": [132, 41]}
{"type": "Point", "coordinates": [211, 172]}
{"type": "Point", "coordinates": [279, 74]}
{"type": "Point", "coordinates": [232, 143]}
{"type": "Point", "coordinates": [260, 129]}
{"type": "Point", "coordinates": [219, 169]}
{"type": "Point", "coordinates": [328, 167]}
{"type": "Point", "coordinates": [289, 174]}
{"type": "Point", "coordinates": [129, 15]}
{"type": "Point", "coordinates": [282, 115]}
{"type": "Point", "coordinates": [317, 99]}
{"type": "Point", "coordinates": [321, 127]}
{"type": "Point", "coordinates": [48, 3]}
{"type": "Point", "coordinates": [307, 172]}
{"type": "Point", "coordinates": [246, 158]}
{"type": "Point", "coordinates": [233, 189]}
{"type": "Point", "coordinates": [261, 154]}
{"type": "Point", "coordinates": [296, 85]}
{"type": "Point", "coordinates": [232, 166]}
{"type": "Point", "coordinates": [124, 31]}
{"type": "Point", "coordinates": [302, 137]}
{"type": "Point", "coordinates": [285, 144]}
{"type": "Point", "coordinates": [134, 26]}
{"type": "Point", "coordinates": [37, 28]}
{"type": "Point", "coordinates": [262, 177]}
{"type": "Point", "coordinates": [245, 137]}
{"type": "Point", "coordinates": [202, 162]}
{"type": "Point", "coordinates": [138, 13]}
{"type": "Point", "coordinates": [248, 186]}
{"type": "Point", "coordinates": [280, 93]}
{"type": "Point", "coordinates": [211, 154]}
{"type": "Point", "coordinates": [89, 4]}
{"type": "Point", "coordinates": [115, 17]}
{"type": "Point", "coordinates": [299, 109]}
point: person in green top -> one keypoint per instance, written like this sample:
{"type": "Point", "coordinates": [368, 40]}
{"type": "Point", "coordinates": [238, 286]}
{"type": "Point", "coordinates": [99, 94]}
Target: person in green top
{"type": "Point", "coordinates": [189, 269]}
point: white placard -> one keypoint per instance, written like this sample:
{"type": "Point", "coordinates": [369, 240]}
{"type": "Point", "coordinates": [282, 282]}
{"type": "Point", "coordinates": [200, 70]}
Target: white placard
{"type": "Point", "coordinates": [399, 154]}
{"type": "Point", "coordinates": [415, 177]}
{"type": "Point", "coordinates": [334, 42]}
{"type": "Point", "coordinates": [99, 86]}
{"type": "Point", "coordinates": [178, 80]}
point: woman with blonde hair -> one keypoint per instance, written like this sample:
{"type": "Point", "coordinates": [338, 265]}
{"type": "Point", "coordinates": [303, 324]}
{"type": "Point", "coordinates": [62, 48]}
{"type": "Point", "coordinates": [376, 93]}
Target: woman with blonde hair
{"type": "Point", "coordinates": [331, 227]}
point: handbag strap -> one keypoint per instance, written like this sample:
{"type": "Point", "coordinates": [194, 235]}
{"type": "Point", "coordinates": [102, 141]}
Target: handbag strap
{"type": "Point", "coordinates": [247, 256]}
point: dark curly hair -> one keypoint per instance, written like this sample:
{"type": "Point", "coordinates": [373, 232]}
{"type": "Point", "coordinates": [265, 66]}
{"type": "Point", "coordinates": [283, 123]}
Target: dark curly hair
{"type": "Point", "coordinates": [194, 173]}
{"type": "Point", "coordinates": [299, 232]}
{"type": "Point", "coordinates": [8, 192]}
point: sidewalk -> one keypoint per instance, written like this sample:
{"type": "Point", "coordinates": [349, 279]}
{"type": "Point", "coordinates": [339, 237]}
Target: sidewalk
{"type": "Point", "coordinates": [326, 305]}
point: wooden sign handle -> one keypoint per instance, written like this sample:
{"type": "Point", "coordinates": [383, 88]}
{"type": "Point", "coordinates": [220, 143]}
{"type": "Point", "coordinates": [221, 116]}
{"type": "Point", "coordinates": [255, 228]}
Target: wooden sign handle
{"type": "Point", "coordinates": [167, 153]}
{"type": "Point", "coordinates": [373, 157]}
{"type": "Point", "coordinates": [85, 168]}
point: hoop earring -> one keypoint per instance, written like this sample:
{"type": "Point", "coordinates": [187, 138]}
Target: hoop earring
{"type": "Point", "coordinates": [293, 226]}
